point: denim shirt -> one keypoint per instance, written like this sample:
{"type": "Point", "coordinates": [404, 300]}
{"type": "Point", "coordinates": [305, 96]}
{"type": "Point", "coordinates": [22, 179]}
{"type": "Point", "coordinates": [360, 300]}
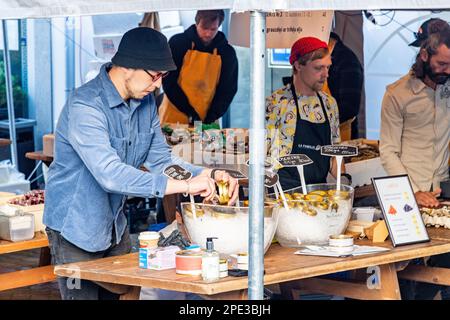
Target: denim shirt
{"type": "Point", "coordinates": [100, 143]}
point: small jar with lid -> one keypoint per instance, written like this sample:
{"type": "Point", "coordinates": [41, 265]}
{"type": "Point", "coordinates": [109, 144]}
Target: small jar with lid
{"type": "Point", "coordinates": [148, 239]}
{"type": "Point", "coordinates": [223, 268]}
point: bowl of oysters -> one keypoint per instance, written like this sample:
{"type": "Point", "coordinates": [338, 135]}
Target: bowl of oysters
{"type": "Point", "coordinates": [311, 217]}
{"type": "Point", "coordinates": [228, 223]}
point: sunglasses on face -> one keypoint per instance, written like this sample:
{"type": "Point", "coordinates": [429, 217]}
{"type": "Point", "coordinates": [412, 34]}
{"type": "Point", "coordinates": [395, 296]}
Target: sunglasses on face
{"type": "Point", "coordinates": [157, 76]}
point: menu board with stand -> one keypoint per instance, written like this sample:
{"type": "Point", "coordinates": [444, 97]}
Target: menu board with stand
{"type": "Point", "coordinates": [401, 212]}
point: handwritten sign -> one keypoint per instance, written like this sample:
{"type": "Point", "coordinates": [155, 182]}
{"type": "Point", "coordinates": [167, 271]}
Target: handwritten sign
{"type": "Point", "coordinates": [235, 174]}
{"type": "Point", "coordinates": [339, 150]}
{"type": "Point", "coordinates": [177, 173]}
{"type": "Point", "coordinates": [270, 180]}
{"type": "Point", "coordinates": [282, 28]}
{"type": "Point", "coordinates": [295, 160]}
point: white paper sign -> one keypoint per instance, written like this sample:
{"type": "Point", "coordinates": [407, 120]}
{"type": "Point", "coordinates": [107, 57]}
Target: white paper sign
{"type": "Point", "coordinates": [400, 210]}
{"type": "Point", "coordinates": [282, 28]}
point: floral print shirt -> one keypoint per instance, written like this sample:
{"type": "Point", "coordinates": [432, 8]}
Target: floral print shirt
{"type": "Point", "coordinates": [281, 118]}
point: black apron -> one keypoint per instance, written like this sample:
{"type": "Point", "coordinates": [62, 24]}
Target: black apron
{"type": "Point", "coordinates": [308, 139]}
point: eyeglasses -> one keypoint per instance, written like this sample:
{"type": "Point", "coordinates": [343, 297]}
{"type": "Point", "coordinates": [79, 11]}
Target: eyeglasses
{"type": "Point", "coordinates": [157, 76]}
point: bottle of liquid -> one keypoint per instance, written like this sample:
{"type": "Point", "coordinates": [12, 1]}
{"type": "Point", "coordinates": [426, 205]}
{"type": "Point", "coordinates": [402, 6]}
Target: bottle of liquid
{"type": "Point", "coordinates": [210, 262]}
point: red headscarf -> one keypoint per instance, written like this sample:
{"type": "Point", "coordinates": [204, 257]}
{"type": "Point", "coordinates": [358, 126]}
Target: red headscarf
{"type": "Point", "coordinates": [305, 45]}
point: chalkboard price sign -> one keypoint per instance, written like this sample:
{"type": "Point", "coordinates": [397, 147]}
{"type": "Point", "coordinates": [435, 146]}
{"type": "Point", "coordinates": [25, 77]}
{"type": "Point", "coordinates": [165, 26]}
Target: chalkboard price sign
{"type": "Point", "coordinates": [295, 160]}
{"type": "Point", "coordinates": [270, 180]}
{"type": "Point", "coordinates": [235, 174]}
{"type": "Point", "coordinates": [177, 173]}
{"type": "Point", "coordinates": [339, 150]}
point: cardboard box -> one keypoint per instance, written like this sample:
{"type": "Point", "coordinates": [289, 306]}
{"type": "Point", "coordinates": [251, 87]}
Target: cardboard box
{"type": "Point", "coordinates": [363, 171]}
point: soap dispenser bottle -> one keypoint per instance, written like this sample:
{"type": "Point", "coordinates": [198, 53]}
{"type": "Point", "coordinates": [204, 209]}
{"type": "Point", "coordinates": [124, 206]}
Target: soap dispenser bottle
{"type": "Point", "coordinates": [210, 262]}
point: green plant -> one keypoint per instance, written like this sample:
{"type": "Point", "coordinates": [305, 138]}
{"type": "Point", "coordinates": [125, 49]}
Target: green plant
{"type": "Point", "coordinates": [18, 94]}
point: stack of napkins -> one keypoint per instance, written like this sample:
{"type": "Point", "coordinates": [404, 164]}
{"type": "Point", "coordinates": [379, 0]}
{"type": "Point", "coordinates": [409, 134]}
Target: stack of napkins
{"type": "Point", "coordinates": [327, 251]}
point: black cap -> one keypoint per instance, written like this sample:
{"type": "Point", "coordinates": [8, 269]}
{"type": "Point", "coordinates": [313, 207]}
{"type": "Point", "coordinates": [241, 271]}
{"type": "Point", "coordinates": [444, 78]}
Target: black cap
{"type": "Point", "coordinates": [422, 34]}
{"type": "Point", "coordinates": [144, 48]}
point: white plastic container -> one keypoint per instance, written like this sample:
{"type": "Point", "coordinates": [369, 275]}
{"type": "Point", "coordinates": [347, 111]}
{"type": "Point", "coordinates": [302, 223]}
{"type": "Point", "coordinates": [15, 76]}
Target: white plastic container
{"type": "Point", "coordinates": [4, 173]}
{"type": "Point", "coordinates": [363, 171]}
{"type": "Point", "coordinates": [17, 228]}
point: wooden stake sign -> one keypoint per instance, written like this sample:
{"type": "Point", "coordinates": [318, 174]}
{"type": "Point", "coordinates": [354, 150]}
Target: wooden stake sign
{"type": "Point", "coordinates": [339, 151]}
{"type": "Point", "coordinates": [297, 160]}
{"type": "Point", "coordinates": [270, 180]}
{"type": "Point", "coordinates": [235, 174]}
{"type": "Point", "coordinates": [294, 160]}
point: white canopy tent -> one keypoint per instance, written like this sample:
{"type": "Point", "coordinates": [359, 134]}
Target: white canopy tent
{"type": "Point", "coordinates": [25, 9]}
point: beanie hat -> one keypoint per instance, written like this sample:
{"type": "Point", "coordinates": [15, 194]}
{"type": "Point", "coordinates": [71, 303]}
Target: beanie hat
{"type": "Point", "coordinates": [144, 48]}
{"type": "Point", "coordinates": [304, 46]}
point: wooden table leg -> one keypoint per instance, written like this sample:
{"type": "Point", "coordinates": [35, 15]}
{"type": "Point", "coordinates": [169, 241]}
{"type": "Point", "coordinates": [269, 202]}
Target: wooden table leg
{"type": "Point", "coordinates": [287, 288]}
{"type": "Point", "coordinates": [232, 295]}
{"type": "Point", "coordinates": [170, 205]}
{"type": "Point", "coordinates": [132, 294]}
{"type": "Point", "coordinates": [389, 282]}
{"type": "Point", "coordinates": [45, 257]}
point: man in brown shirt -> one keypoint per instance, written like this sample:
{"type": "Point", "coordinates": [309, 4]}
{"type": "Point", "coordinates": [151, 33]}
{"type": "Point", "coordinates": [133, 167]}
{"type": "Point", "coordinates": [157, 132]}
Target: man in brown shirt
{"type": "Point", "coordinates": [415, 118]}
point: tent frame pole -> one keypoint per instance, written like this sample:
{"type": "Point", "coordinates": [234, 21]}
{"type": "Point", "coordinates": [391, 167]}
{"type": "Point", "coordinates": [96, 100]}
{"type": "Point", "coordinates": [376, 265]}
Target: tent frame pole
{"type": "Point", "coordinates": [9, 95]}
{"type": "Point", "coordinates": [257, 155]}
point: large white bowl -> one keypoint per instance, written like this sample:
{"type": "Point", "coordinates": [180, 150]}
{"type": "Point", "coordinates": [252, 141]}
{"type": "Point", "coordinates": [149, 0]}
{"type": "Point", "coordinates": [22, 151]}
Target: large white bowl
{"type": "Point", "coordinates": [228, 224]}
{"type": "Point", "coordinates": [296, 227]}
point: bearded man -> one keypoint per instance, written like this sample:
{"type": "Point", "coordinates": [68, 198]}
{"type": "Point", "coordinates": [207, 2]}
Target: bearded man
{"type": "Point", "coordinates": [415, 118]}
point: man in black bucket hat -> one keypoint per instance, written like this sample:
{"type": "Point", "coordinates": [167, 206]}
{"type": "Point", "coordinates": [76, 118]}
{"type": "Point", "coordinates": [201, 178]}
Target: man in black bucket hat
{"type": "Point", "coordinates": [107, 130]}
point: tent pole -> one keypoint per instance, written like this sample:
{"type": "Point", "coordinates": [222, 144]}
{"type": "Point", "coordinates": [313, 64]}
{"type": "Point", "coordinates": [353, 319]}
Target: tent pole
{"type": "Point", "coordinates": [9, 96]}
{"type": "Point", "coordinates": [257, 155]}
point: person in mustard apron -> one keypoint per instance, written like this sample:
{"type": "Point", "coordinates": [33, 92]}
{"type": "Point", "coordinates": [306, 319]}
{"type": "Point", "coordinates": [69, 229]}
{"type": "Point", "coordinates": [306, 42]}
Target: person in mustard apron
{"type": "Point", "coordinates": [206, 78]}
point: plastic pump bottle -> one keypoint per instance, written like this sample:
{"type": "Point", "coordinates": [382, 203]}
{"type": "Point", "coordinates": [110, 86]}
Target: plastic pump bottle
{"type": "Point", "coordinates": [210, 262]}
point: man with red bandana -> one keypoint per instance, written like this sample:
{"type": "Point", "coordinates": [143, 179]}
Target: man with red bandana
{"type": "Point", "coordinates": [300, 117]}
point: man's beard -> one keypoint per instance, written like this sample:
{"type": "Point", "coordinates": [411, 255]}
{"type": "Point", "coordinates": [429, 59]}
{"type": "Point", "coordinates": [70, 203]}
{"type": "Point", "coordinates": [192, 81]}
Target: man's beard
{"type": "Point", "coordinates": [438, 78]}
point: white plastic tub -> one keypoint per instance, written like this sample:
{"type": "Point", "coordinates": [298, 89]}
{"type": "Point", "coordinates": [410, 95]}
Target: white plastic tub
{"type": "Point", "coordinates": [17, 228]}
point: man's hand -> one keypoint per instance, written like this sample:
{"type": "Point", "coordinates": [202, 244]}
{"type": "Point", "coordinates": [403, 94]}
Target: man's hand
{"type": "Point", "coordinates": [428, 199]}
{"type": "Point", "coordinates": [202, 185]}
{"type": "Point", "coordinates": [233, 185]}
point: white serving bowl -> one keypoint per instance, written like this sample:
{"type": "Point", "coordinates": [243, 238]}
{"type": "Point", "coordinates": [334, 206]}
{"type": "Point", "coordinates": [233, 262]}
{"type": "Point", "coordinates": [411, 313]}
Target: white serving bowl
{"type": "Point", "coordinates": [229, 224]}
{"type": "Point", "coordinates": [312, 221]}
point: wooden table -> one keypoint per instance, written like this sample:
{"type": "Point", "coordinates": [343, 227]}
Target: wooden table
{"type": "Point", "coordinates": [281, 267]}
{"type": "Point", "coordinates": [4, 142]}
{"type": "Point", "coordinates": [43, 273]}
{"type": "Point", "coordinates": [39, 156]}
